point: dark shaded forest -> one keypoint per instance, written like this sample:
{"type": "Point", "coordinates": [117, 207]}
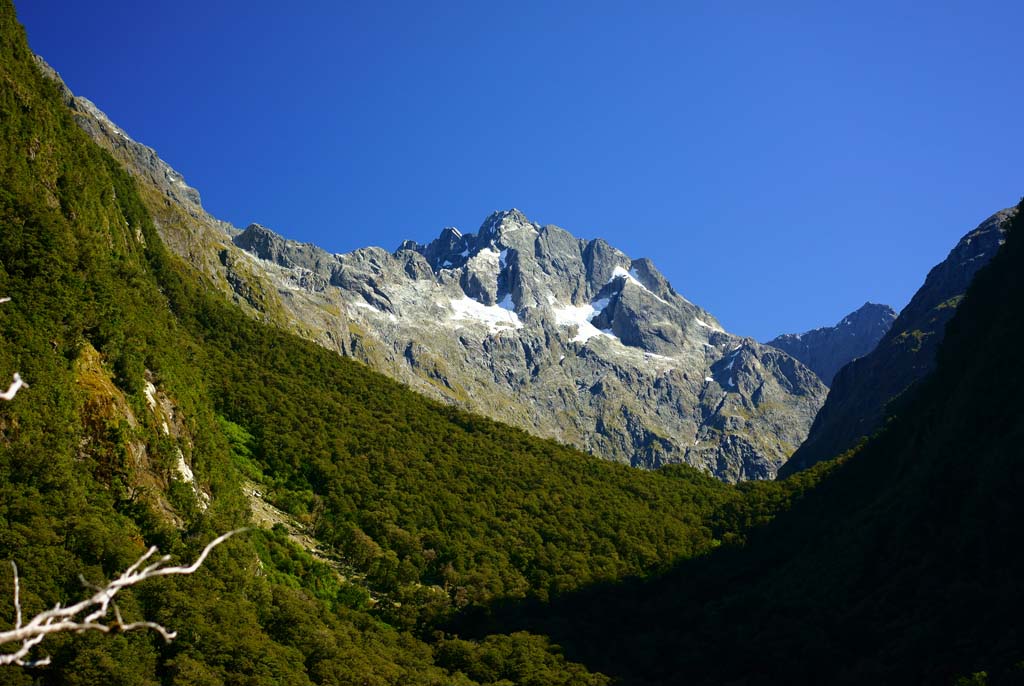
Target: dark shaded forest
{"type": "Point", "coordinates": [902, 565]}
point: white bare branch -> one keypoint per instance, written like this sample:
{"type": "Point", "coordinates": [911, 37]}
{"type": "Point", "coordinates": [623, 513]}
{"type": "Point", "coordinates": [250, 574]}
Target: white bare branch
{"type": "Point", "coordinates": [17, 384]}
{"type": "Point", "coordinates": [17, 597]}
{"type": "Point", "coordinates": [63, 619]}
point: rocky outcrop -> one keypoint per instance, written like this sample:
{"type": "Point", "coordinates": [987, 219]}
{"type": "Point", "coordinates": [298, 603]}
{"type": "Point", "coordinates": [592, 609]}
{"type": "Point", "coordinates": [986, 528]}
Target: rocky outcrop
{"type": "Point", "coordinates": [568, 338]}
{"type": "Point", "coordinates": [827, 349]}
{"type": "Point", "coordinates": [140, 452]}
{"type": "Point", "coordinates": [863, 391]}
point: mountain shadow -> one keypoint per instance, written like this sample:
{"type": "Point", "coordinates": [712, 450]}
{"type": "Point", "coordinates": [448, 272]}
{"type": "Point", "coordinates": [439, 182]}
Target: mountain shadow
{"type": "Point", "coordinates": [901, 566]}
{"type": "Point", "coordinates": [869, 389]}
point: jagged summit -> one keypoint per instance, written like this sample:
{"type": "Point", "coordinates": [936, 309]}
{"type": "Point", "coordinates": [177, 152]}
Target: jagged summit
{"type": "Point", "coordinates": [566, 336]}
{"type": "Point", "coordinates": [868, 312]}
{"type": "Point", "coordinates": [546, 253]}
{"type": "Point", "coordinates": [504, 223]}
{"type": "Point", "coordinates": [522, 265]}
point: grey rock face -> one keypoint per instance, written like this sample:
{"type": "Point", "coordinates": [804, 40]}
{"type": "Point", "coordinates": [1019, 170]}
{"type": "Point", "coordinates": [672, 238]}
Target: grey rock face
{"type": "Point", "coordinates": [829, 348]}
{"type": "Point", "coordinates": [564, 337]}
{"type": "Point", "coordinates": [862, 391]}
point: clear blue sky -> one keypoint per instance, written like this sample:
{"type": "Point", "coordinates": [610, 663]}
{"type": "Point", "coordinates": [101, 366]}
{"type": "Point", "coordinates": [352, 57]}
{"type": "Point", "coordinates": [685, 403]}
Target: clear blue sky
{"type": "Point", "coordinates": [780, 162]}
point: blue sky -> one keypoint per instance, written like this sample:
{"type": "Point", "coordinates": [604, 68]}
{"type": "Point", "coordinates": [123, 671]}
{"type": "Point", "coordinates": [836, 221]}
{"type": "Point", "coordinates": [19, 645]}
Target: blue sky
{"type": "Point", "coordinates": [781, 163]}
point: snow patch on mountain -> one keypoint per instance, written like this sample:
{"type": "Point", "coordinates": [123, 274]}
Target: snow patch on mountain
{"type": "Point", "coordinates": [580, 316]}
{"type": "Point", "coordinates": [700, 322]}
{"type": "Point", "coordinates": [495, 317]}
{"type": "Point", "coordinates": [631, 276]}
{"type": "Point", "coordinates": [366, 306]}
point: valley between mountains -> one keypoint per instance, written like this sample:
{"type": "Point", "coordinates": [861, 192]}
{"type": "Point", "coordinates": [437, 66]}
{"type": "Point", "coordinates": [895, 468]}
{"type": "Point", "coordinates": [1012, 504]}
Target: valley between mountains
{"type": "Point", "coordinates": [507, 457]}
{"type": "Point", "coordinates": [567, 338]}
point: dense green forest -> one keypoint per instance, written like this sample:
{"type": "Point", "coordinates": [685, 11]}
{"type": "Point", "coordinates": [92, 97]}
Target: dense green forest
{"type": "Point", "coordinates": [902, 566]}
{"type": "Point", "coordinates": [460, 551]}
{"type": "Point", "coordinates": [430, 511]}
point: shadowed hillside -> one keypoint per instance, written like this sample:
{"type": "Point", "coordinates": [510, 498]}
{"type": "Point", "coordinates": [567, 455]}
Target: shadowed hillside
{"type": "Point", "coordinates": [902, 566]}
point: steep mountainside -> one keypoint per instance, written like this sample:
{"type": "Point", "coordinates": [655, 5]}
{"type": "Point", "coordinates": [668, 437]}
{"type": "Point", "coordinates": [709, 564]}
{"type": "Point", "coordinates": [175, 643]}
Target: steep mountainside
{"type": "Point", "coordinates": [902, 566]}
{"type": "Point", "coordinates": [862, 391]}
{"type": "Point", "coordinates": [153, 400]}
{"type": "Point", "coordinates": [175, 207]}
{"type": "Point", "coordinates": [827, 349]}
{"type": "Point", "coordinates": [567, 338]}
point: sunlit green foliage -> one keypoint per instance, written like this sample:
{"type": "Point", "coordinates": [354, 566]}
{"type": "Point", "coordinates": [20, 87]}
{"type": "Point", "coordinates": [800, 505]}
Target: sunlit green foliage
{"type": "Point", "coordinates": [428, 509]}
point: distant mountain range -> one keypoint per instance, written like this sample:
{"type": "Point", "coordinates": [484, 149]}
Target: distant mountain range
{"type": "Point", "coordinates": [567, 338]}
{"type": "Point", "coordinates": [827, 349]}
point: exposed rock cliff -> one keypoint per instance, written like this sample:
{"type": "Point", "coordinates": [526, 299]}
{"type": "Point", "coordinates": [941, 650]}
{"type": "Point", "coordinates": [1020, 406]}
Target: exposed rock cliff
{"type": "Point", "coordinates": [566, 337]}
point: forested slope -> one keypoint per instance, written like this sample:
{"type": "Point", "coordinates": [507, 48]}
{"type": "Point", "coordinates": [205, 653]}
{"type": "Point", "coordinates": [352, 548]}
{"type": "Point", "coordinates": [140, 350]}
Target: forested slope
{"type": "Point", "coordinates": [137, 366]}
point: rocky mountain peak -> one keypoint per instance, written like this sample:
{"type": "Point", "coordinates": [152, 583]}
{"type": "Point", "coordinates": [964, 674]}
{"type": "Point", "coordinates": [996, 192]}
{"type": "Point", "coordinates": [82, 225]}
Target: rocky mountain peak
{"type": "Point", "coordinates": [869, 314]}
{"type": "Point", "coordinates": [503, 226]}
{"type": "Point", "coordinates": [259, 232]}
{"type": "Point", "coordinates": [501, 231]}
{"type": "Point", "coordinates": [449, 248]}
{"type": "Point", "coordinates": [951, 277]}
{"type": "Point", "coordinates": [522, 266]}
{"type": "Point", "coordinates": [265, 244]}
{"type": "Point", "coordinates": [272, 247]}
{"type": "Point", "coordinates": [568, 337]}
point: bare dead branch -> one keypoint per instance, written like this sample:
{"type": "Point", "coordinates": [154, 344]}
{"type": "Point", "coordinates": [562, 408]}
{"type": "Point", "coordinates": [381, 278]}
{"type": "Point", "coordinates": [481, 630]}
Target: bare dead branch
{"type": "Point", "coordinates": [17, 384]}
{"type": "Point", "coordinates": [17, 597]}
{"type": "Point", "coordinates": [65, 619]}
